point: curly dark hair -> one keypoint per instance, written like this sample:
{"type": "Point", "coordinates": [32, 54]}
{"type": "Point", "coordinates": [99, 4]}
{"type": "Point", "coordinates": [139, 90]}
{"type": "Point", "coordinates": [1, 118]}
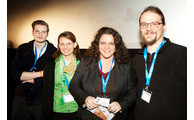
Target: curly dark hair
{"type": "Point", "coordinates": [69, 35]}
{"type": "Point", "coordinates": [121, 54]}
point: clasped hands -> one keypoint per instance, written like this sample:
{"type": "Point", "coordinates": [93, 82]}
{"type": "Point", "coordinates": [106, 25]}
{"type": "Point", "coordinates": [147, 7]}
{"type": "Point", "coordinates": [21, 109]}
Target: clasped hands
{"type": "Point", "coordinates": [91, 103]}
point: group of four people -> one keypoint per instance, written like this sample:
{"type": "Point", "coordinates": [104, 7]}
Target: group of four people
{"type": "Point", "coordinates": [60, 84]}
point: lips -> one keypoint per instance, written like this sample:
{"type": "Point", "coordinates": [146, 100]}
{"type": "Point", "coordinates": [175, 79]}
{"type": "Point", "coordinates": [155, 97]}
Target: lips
{"type": "Point", "coordinates": [150, 34]}
{"type": "Point", "coordinates": [107, 51]}
{"type": "Point", "coordinates": [66, 51]}
{"type": "Point", "coordinates": [40, 37]}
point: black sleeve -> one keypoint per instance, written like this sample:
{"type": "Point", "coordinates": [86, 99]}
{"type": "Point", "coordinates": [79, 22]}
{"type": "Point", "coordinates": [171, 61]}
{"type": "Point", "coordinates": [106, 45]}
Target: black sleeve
{"type": "Point", "coordinates": [17, 65]}
{"type": "Point", "coordinates": [48, 91]}
{"type": "Point", "coordinates": [129, 98]}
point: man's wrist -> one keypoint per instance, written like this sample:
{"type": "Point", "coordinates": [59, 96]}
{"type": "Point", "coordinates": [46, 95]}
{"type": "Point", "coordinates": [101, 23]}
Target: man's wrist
{"type": "Point", "coordinates": [41, 73]}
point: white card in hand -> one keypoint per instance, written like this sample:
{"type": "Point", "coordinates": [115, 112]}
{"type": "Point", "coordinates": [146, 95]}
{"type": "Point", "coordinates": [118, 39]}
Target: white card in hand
{"type": "Point", "coordinates": [103, 101]}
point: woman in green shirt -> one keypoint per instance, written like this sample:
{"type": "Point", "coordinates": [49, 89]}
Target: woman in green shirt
{"type": "Point", "coordinates": [58, 103]}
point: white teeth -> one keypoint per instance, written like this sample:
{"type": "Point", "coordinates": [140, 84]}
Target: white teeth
{"type": "Point", "coordinates": [106, 51]}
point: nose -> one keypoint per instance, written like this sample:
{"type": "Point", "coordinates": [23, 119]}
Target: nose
{"type": "Point", "coordinates": [149, 26]}
{"type": "Point", "coordinates": [65, 46]}
{"type": "Point", "coordinates": [107, 46]}
{"type": "Point", "coordinates": [40, 33]}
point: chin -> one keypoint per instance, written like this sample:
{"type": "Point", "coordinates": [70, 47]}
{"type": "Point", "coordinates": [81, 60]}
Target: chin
{"type": "Point", "coordinates": [107, 57]}
{"type": "Point", "coordinates": [149, 41]}
{"type": "Point", "coordinates": [41, 41]}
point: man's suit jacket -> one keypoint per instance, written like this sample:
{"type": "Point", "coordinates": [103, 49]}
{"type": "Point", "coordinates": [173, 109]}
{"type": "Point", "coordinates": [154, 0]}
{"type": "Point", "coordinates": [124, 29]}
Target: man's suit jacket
{"type": "Point", "coordinates": [83, 84]}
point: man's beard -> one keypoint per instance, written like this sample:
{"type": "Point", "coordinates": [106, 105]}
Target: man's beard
{"type": "Point", "coordinates": [151, 40]}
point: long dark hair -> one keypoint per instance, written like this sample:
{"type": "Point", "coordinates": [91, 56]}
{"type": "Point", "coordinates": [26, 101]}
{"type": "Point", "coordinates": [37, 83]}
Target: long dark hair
{"type": "Point", "coordinates": [121, 54]}
{"type": "Point", "coordinates": [69, 35]}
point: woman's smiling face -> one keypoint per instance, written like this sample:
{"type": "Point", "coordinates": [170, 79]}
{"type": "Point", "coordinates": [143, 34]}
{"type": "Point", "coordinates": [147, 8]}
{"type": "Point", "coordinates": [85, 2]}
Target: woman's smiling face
{"type": "Point", "coordinates": [106, 46]}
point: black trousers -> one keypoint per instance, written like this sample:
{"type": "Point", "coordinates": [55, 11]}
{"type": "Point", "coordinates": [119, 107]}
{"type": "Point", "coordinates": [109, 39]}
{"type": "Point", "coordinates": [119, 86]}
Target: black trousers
{"type": "Point", "coordinates": [25, 112]}
{"type": "Point", "coordinates": [65, 116]}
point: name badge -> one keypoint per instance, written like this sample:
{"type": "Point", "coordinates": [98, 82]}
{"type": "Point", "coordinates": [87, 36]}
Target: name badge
{"type": "Point", "coordinates": [103, 101]}
{"type": "Point", "coordinates": [146, 95]}
{"type": "Point", "coordinates": [68, 98]}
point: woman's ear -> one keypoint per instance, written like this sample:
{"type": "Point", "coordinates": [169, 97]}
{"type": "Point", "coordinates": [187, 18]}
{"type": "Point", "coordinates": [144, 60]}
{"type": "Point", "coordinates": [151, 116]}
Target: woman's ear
{"type": "Point", "coordinates": [75, 44]}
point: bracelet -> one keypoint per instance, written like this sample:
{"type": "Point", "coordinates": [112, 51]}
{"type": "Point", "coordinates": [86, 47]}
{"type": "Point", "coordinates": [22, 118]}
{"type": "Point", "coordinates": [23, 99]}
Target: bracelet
{"type": "Point", "coordinates": [41, 74]}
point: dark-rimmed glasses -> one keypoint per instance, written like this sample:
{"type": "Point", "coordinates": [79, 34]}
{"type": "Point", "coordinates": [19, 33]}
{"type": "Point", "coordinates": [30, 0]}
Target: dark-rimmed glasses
{"type": "Point", "coordinates": [154, 24]}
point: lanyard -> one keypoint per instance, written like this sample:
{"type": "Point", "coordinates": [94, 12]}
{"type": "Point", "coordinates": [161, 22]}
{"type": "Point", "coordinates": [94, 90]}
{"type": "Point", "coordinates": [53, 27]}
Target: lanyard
{"type": "Point", "coordinates": [64, 75]}
{"type": "Point", "coordinates": [67, 82]}
{"type": "Point", "coordinates": [149, 75]}
{"type": "Point", "coordinates": [104, 82]}
{"type": "Point", "coordinates": [36, 57]}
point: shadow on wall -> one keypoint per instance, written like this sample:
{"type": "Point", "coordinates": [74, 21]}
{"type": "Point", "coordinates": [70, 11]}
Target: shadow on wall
{"type": "Point", "coordinates": [10, 84]}
{"type": "Point", "coordinates": [9, 44]}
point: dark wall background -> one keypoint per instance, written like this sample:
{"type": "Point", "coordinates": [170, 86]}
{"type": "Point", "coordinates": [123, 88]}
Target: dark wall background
{"type": "Point", "coordinates": [11, 85]}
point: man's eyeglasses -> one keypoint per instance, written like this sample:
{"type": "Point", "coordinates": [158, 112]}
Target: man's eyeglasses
{"type": "Point", "coordinates": [154, 24]}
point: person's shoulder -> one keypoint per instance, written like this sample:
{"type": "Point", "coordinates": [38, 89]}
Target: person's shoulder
{"type": "Point", "coordinates": [135, 57]}
{"type": "Point", "coordinates": [138, 55]}
{"type": "Point", "coordinates": [26, 45]}
{"type": "Point", "coordinates": [49, 67]}
{"type": "Point", "coordinates": [84, 59]}
{"type": "Point", "coordinates": [50, 45]}
{"type": "Point", "coordinates": [174, 47]}
{"type": "Point", "coordinates": [176, 51]}
{"type": "Point", "coordinates": [126, 66]}
{"type": "Point", "coordinates": [50, 63]}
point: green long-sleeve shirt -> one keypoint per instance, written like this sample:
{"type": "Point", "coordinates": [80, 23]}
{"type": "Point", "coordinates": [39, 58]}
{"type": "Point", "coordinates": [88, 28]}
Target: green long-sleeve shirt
{"type": "Point", "coordinates": [60, 88]}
